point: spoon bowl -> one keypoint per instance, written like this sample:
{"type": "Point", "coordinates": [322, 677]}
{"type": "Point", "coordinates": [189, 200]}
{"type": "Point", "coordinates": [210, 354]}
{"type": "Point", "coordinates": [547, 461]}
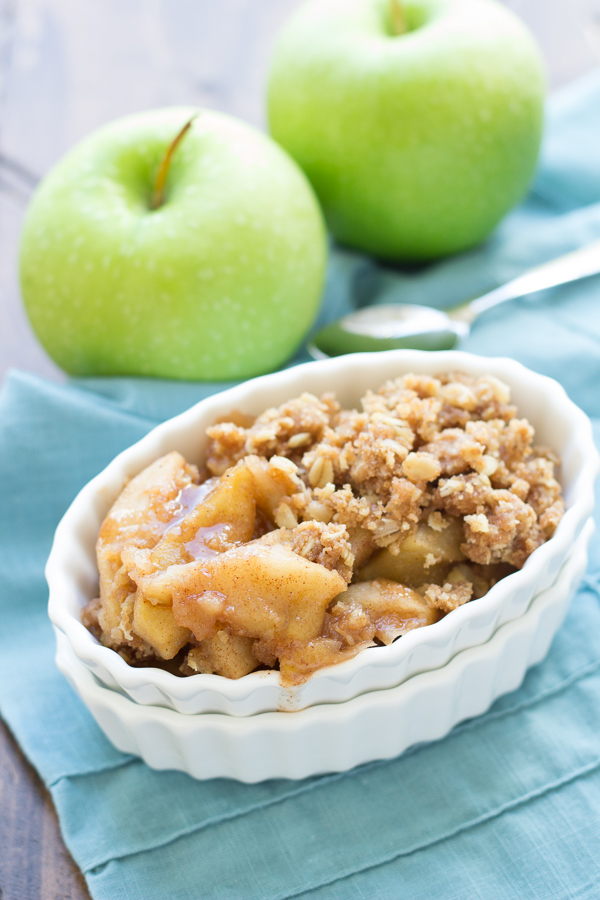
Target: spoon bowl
{"type": "Point", "coordinates": [388, 327]}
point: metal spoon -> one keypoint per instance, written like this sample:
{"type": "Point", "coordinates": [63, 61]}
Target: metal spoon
{"type": "Point", "coordinates": [390, 326]}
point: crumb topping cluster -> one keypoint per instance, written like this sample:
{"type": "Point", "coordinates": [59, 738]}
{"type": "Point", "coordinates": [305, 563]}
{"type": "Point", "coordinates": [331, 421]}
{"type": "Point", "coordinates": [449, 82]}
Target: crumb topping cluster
{"type": "Point", "coordinates": [450, 445]}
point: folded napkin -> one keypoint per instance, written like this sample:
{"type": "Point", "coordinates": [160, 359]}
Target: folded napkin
{"type": "Point", "coordinates": [508, 805]}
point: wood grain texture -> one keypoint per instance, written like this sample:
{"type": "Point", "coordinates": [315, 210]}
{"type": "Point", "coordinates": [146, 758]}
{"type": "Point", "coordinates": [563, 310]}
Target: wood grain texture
{"type": "Point", "coordinates": [69, 66]}
{"type": "Point", "coordinates": [34, 862]}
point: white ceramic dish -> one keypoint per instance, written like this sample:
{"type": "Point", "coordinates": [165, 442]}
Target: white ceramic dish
{"type": "Point", "coordinates": [335, 737]}
{"type": "Point", "coordinates": [73, 579]}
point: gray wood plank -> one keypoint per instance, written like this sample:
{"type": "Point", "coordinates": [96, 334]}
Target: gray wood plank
{"type": "Point", "coordinates": [34, 862]}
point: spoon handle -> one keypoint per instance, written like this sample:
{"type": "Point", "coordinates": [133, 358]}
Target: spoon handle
{"type": "Point", "coordinates": [570, 267]}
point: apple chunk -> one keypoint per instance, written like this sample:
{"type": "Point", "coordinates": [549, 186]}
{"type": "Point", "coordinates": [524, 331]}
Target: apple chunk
{"type": "Point", "coordinates": [265, 591]}
{"type": "Point", "coordinates": [156, 626]}
{"type": "Point", "coordinates": [222, 517]}
{"type": "Point", "coordinates": [229, 655]}
{"type": "Point", "coordinates": [390, 608]}
{"type": "Point", "coordinates": [137, 519]}
{"type": "Point", "coordinates": [425, 556]}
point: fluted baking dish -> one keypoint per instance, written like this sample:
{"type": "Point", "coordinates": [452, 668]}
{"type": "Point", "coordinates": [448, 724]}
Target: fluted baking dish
{"type": "Point", "coordinates": [73, 578]}
{"type": "Point", "coordinates": [333, 737]}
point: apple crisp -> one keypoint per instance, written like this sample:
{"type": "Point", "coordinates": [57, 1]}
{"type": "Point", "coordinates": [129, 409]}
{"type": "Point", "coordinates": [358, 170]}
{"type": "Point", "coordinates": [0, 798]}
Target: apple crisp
{"type": "Point", "coordinates": [314, 531]}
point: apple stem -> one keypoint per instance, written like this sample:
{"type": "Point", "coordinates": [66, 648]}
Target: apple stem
{"type": "Point", "coordinates": [397, 17]}
{"type": "Point", "coordinates": [158, 194]}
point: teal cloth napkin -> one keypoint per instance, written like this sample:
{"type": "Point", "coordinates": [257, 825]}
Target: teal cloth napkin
{"type": "Point", "coordinates": [508, 805]}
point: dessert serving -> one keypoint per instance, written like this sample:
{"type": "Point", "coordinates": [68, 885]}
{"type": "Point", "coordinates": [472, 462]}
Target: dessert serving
{"type": "Point", "coordinates": [312, 531]}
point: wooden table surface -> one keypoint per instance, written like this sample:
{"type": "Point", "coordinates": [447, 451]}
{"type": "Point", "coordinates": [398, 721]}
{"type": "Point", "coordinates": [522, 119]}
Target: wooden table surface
{"type": "Point", "coordinates": [67, 67]}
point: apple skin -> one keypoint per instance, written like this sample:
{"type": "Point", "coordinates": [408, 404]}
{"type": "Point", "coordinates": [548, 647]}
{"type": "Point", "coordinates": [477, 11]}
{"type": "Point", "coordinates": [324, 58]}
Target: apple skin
{"type": "Point", "coordinates": [221, 282]}
{"type": "Point", "coordinates": [416, 144]}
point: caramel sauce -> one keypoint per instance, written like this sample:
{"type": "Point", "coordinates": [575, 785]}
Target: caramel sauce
{"type": "Point", "coordinates": [188, 499]}
{"type": "Point", "coordinates": [208, 541]}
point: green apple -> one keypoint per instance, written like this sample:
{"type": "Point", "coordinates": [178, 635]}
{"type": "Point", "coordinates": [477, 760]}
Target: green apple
{"type": "Point", "coordinates": [418, 122]}
{"type": "Point", "coordinates": [221, 280]}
